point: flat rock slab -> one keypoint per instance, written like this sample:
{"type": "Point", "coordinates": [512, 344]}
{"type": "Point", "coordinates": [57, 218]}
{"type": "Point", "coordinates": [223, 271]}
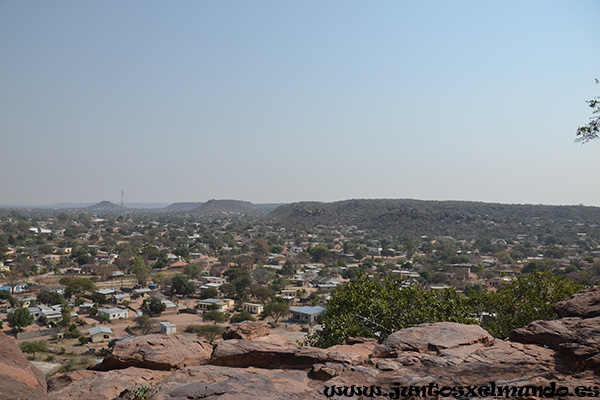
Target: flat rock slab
{"type": "Point", "coordinates": [159, 352]}
{"type": "Point", "coordinates": [103, 385]}
{"type": "Point", "coordinates": [223, 383]}
{"type": "Point", "coordinates": [432, 339]}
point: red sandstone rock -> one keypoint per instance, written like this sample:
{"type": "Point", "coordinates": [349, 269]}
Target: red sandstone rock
{"type": "Point", "coordinates": [246, 330]}
{"type": "Point", "coordinates": [19, 379]}
{"type": "Point", "coordinates": [159, 352]}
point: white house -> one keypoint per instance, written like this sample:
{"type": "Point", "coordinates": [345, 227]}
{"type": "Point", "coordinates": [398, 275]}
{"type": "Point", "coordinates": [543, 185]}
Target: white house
{"type": "Point", "coordinates": [167, 328]}
{"type": "Point", "coordinates": [306, 315]}
{"type": "Point", "coordinates": [100, 333]}
{"type": "Point", "coordinates": [113, 313]}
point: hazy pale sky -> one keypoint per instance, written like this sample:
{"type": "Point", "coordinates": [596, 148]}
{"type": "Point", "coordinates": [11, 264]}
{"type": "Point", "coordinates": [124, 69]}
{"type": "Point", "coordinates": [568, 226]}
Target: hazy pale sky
{"type": "Point", "coordinates": [281, 101]}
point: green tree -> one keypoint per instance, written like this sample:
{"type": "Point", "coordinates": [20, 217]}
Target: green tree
{"type": "Point", "coordinates": [79, 286]}
{"type": "Point", "coordinates": [209, 293]}
{"type": "Point", "coordinates": [155, 306]}
{"type": "Point", "coordinates": [19, 318]}
{"type": "Point", "coordinates": [33, 347]}
{"type": "Point", "coordinates": [50, 298]}
{"type": "Point", "coordinates": [319, 253]}
{"type": "Point", "coordinates": [180, 285]}
{"type": "Point", "coordinates": [145, 324]}
{"type": "Point", "coordinates": [370, 308]}
{"type": "Point", "coordinates": [209, 332]}
{"type": "Point", "coordinates": [193, 270]}
{"type": "Point", "coordinates": [217, 317]}
{"type": "Point", "coordinates": [591, 130]}
{"type": "Point", "coordinates": [141, 269]}
{"type": "Point", "coordinates": [528, 298]}
{"type": "Point", "coordinates": [243, 316]}
{"type": "Point", "coordinates": [276, 310]}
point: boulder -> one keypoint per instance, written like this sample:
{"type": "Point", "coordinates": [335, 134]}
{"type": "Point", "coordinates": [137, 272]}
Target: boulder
{"type": "Point", "coordinates": [159, 352]}
{"type": "Point", "coordinates": [277, 354]}
{"type": "Point", "coordinates": [102, 385]}
{"type": "Point", "coordinates": [246, 330]}
{"type": "Point", "coordinates": [433, 339]}
{"type": "Point", "coordinates": [214, 382]}
{"type": "Point", "coordinates": [576, 339]}
{"type": "Point", "coordinates": [19, 379]}
{"type": "Point", "coordinates": [584, 304]}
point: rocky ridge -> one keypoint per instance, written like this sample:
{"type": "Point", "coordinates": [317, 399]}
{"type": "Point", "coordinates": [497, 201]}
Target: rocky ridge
{"type": "Point", "coordinates": [267, 366]}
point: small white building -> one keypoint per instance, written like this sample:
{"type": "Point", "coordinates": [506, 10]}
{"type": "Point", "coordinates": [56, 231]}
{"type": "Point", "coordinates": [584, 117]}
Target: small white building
{"type": "Point", "coordinates": [113, 313]}
{"type": "Point", "coordinates": [306, 315]}
{"type": "Point", "coordinates": [167, 328]}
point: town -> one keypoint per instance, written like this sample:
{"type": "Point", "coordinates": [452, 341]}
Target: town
{"type": "Point", "coordinates": [74, 282]}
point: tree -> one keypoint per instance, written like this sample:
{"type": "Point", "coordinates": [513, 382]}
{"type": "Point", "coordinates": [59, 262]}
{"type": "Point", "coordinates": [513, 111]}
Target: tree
{"type": "Point", "coordinates": [209, 332]}
{"type": "Point", "coordinates": [243, 316]}
{"type": "Point", "coordinates": [209, 293]}
{"type": "Point", "coordinates": [155, 306]}
{"type": "Point", "coordinates": [591, 130]}
{"type": "Point", "coordinates": [65, 311]}
{"type": "Point", "coordinates": [318, 253]}
{"type": "Point", "coordinates": [371, 308]}
{"type": "Point", "coordinates": [145, 324]}
{"type": "Point", "coordinates": [217, 317]}
{"type": "Point", "coordinates": [141, 269]}
{"type": "Point", "coordinates": [33, 347]}
{"type": "Point", "coordinates": [19, 318]}
{"type": "Point", "coordinates": [78, 286]}
{"type": "Point", "coordinates": [193, 270]}
{"type": "Point", "coordinates": [528, 298]}
{"type": "Point", "coordinates": [276, 311]}
{"type": "Point", "coordinates": [182, 286]}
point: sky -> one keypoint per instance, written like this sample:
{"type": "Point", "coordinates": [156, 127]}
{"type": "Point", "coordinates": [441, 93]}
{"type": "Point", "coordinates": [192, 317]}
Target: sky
{"type": "Point", "coordinates": [281, 101]}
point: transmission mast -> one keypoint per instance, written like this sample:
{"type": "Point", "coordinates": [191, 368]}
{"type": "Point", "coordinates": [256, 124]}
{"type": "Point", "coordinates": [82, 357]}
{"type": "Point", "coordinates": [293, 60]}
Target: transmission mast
{"type": "Point", "coordinates": [121, 216]}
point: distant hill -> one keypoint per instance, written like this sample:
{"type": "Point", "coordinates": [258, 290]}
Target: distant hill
{"type": "Point", "coordinates": [439, 218]}
{"type": "Point", "coordinates": [228, 207]}
{"type": "Point", "coordinates": [104, 207]}
{"type": "Point", "coordinates": [182, 207]}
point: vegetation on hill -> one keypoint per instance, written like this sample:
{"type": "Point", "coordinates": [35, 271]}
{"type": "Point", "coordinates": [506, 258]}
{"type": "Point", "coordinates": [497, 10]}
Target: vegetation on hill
{"type": "Point", "coordinates": [460, 219]}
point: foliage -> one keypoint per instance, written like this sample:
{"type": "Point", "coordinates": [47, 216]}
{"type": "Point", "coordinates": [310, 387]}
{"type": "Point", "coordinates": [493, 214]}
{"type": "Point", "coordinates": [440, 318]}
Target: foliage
{"type": "Point", "coordinates": [215, 316]}
{"type": "Point", "coordinates": [528, 298]}
{"type": "Point", "coordinates": [141, 269]}
{"type": "Point", "coordinates": [193, 270]}
{"type": "Point", "coordinates": [50, 298]}
{"type": "Point", "coordinates": [182, 286]}
{"type": "Point", "coordinates": [155, 306]}
{"type": "Point", "coordinates": [78, 286]}
{"type": "Point", "coordinates": [33, 347]}
{"type": "Point", "coordinates": [243, 316]}
{"type": "Point", "coordinates": [591, 130]}
{"type": "Point", "coordinates": [369, 308]}
{"type": "Point", "coordinates": [145, 324]}
{"type": "Point", "coordinates": [209, 293]}
{"type": "Point", "coordinates": [19, 318]}
{"type": "Point", "coordinates": [209, 332]}
{"type": "Point", "coordinates": [276, 310]}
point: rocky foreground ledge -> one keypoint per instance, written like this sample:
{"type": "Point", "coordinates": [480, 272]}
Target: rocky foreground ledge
{"type": "Point", "coordinates": [255, 364]}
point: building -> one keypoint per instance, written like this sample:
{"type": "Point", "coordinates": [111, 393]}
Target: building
{"type": "Point", "coordinates": [113, 313]}
{"type": "Point", "coordinates": [253, 308]}
{"type": "Point", "coordinates": [100, 334]}
{"type": "Point", "coordinates": [170, 307]}
{"type": "Point", "coordinates": [167, 328]}
{"type": "Point", "coordinates": [218, 304]}
{"type": "Point", "coordinates": [306, 315]}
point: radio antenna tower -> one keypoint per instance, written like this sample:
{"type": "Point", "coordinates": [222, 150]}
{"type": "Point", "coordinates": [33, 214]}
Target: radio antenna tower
{"type": "Point", "coordinates": [121, 216]}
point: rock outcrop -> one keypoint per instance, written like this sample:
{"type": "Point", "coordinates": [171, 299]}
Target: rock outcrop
{"type": "Point", "coordinates": [564, 351]}
{"type": "Point", "coordinates": [246, 330]}
{"type": "Point", "coordinates": [19, 379]}
{"type": "Point", "coordinates": [158, 352]}
{"type": "Point", "coordinates": [575, 336]}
